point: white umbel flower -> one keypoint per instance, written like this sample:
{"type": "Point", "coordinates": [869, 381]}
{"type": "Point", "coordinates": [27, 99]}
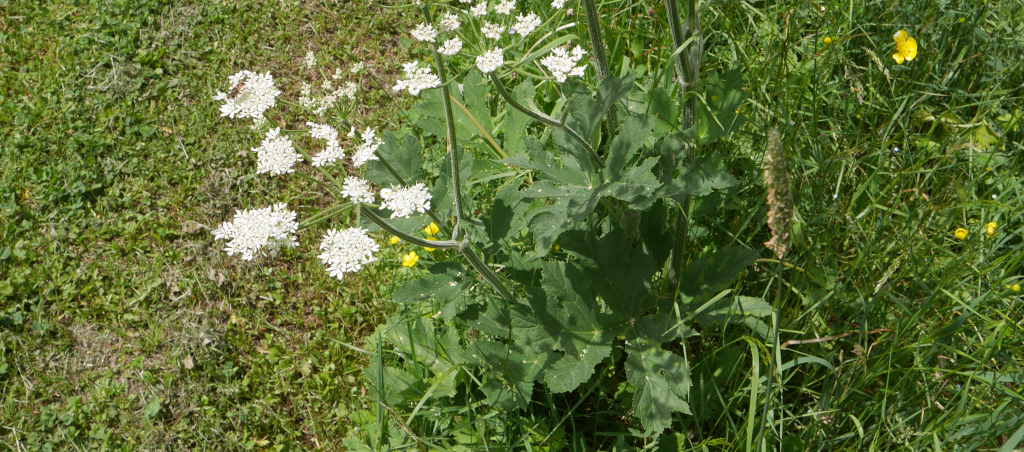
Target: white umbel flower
{"type": "Point", "coordinates": [310, 61]}
{"type": "Point", "coordinates": [251, 94]}
{"type": "Point", "coordinates": [424, 32]}
{"type": "Point", "coordinates": [479, 10]}
{"type": "Point", "coordinates": [367, 150]}
{"type": "Point", "coordinates": [492, 31]}
{"type": "Point", "coordinates": [450, 47]}
{"type": "Point", "coordinates": [417, 79]}
{"type": "Point", "coordinates": [450, 22]}
{"type": "Point", "coordinates": [563, 65]}
{"type": "Point", "coordinates": [558, 4]}
{"type": "Point", "coordinates": [526, 24]}
{"type": "Point", "coordinates": [357, 190]}
{"type": "Point", "coordinates": [349, 91]}
{"type": "Point", "coordinates": [258, 232]}
{"type": "Point", "coordinates": [403, 201]}
{"type": "Point", "coordinates": [490, 60]}
{"type": "Point", "coordinates": [347, 251]}
{"type": "Point", "coordinates": [357, 67]}
{"type": "Point", "coordinates": [276, 155]}
{"type": "Point", "coordinates": [333, 152]}
{"type": "Point", "coordinates": [505, 7]}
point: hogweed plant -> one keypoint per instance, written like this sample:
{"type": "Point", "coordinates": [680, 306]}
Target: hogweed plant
{"type": "Point", "coordinates": [564, 209]}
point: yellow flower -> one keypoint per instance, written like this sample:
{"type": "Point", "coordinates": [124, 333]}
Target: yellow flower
{"type": "Point", "coordinates": [394, 239]}
{"type": "Point", "coordinates": [432, 239]}
{"type": "Point", "coordinates": [906, 47]}
{"type": "Point", "coordinates": [1015, 288]}
{"type": "Point", "coordinates": [828, 40]}
{"type": "Point", "coordinates": [990, 228]}
{"type": "Point", "coordinates": [431, 228]}
{"type": "Point", "coordinates": [410, 259]}
{"type": "Point", "coordinates": [960, 233]}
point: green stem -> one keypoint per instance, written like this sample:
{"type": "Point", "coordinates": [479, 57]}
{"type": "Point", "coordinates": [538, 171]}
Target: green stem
{"type": "Point", "coordinates": [369, 213]}
{"type": "Point", "coordinates": [543, 118]}
{"type": "Point", "coordinates": [485, 271]}
{"type": "Point", "coordinates": [772, 358]}
{"type": "Point", "coordinates": [325, 215]}
{"type": "Point", "coordinates": [597, 49]}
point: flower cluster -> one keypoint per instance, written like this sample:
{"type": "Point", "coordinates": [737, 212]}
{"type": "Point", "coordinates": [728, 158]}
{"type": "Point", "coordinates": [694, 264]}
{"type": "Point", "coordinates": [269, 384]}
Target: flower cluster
{"type": "Point", "coordinates": [333, 152]}
{"type": "Point", "coordinates": [450, 22]}
{"type": "Point", "coordinates": [526, 24]}
{"type": "Point", "coordinates": [347, 251]}
{"type": "Point", "coordinates": [425, 32]}
{"type": "Point", "coordinates": [251, 94]}
{"type": "Point", "coordinates": [505, 7]}
{"type": "Point", "coordinates": [563, 65]}
{"type": "Point", "coordinates": [490, 60]}
{"type": "Point", "coordinates": [367, 150]}
{"type": "Point", "coordinates": [492, 31]}
{"type": "Point", "coordinates": [276, 155]}
{"type": "Point", "coordinates": [479, 10]}
{"type": "Point", "coordinates": [417, 79]}
{"type": "Point", "coordinates": [357, 190]}
{"type": "Point", "coordinates": [258, 232]}
{"type": "Point", "coordinates": [450, 47]}
{"type": "Point", "coordinates": [403, 201]}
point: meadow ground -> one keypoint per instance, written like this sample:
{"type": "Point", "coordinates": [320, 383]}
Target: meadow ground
{"type": "Point", "coordinates": [124, 326]}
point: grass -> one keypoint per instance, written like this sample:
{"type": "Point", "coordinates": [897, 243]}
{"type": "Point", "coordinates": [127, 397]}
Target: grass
{"type": "Point", "coordinates": [125, 327]}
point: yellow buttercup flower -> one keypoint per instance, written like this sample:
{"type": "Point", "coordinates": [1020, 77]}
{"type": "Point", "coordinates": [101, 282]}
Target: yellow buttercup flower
{"type": "Point", "coordinates": [410, 259]}
{"type": "Point", "coordinates": [990, 228]}
{"type": "Point", "coordinates": [906, 47]}
{"type": "Point", "coordinates": [394, 239]}
{"type": "Point", "coordinates": [432, 239]}
{"type": "Point", "coordinates": [828, 40]}
{"type": "Point", "coordinates": [960, 233]}
{"type": "Point", "coordinates": [431, 228]}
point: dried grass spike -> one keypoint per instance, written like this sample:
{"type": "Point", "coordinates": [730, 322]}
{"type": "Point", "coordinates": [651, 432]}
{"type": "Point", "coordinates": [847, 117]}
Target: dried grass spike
{"type": "Point", "coordinates": [780, 200]}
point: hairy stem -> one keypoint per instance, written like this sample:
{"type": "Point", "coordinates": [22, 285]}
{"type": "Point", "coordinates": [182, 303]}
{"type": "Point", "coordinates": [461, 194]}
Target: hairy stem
{"type": "Point", "coordinates": [543, 118]}
{"type": "Point", "coordinates": [405, 236]}
{"type": "Point", "coordinates": [485, 271]}
{"type": "Point", "coordinates": [597, 49]}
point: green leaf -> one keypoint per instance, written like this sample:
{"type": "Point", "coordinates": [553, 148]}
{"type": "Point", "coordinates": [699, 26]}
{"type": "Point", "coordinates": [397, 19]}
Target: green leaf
{"type": "Point", "coordinates": [444, 289]}
{"type": "Point", "coordinates": [660, 377]}
{"type": "Point", "coordinates": [620, 275]}
{"type": "Point", "coordinates": [506, 216]}
{"type": "Point", "coordinates": [657, 233]}
{"type": "Point", "coordinates": [662, 105]}
{"type": "Point", "coordinates": [723, 93]}
{"type": "Point", "coordinates": [515, 371]}
{"type": "Point", "coordinates": [443, 202]}
{"type": "Point", "coordinates": [735, 309]}
{"type": "Point", "coordinates": [405, 158]}
{"type": "Point", "coordinates": [474, 95]}
{"type": "Point", "coordinates": [548, 223]}
{"type": "Point", "coordinates": [516, 122]}
{"type": "Point", "coordinates": [152, 408]}
{"type": "Point", "coordinates": [696, 179]}
{"type": "Point", "coordinates": [712, 274]}
{"type": "Point", "coordinates": [632, 133]}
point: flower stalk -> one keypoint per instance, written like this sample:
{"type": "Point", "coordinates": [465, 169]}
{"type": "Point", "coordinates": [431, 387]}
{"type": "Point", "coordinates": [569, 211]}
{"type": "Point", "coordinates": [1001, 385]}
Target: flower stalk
{"type": "Point", "coordinates": [597, 49]}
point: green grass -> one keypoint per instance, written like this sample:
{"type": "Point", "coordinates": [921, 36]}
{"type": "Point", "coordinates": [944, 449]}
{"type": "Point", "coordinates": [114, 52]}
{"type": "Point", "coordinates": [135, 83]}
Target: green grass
{"type": "Point", "coordinates": [125, 327]}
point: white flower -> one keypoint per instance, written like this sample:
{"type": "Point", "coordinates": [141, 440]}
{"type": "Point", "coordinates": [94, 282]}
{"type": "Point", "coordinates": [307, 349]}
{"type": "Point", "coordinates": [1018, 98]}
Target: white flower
{"type": "Point", "coordinates": [306, 98]}
{"type": "Point", "coordinates": [526, 25]}
{"type": "Point", "coordinates": [367, 150]}
{"type": "Point", "coordinates": [492, 31]}
{"type": "Point", "coordinates": [275, 154]}
{"type": "Point", "coordinates": [349, 91]}
{"type": "Point", "coordinates": [424, 32]}
{"type": "Point", "coordinates": [505, 7]}
{"type": "Point", "coordinates": [258, 232]}
{"type": "Point", "coordinates": [451, 47]}
{"type": "Point", "coordinates": [251, 95]}
{"type": "Point", "coordinates": [310, 61]}
{"type": "Point", "coordinates": [333, 152]}
{"type": "Point", "coordinates": [558, 4]}
{"type": "Point", "coordinates": [562, 65]}
{"type": "Point", "coordinates": [338, 75]}
{"type": "Point", "coordinates": [490, 60]}
{"type": "Point", "coordinates": [347, 251]}
{"type": "Point", "coordinates": [357, 190]}
{"type": "Point", "coordinates": [450, 22]}
{"type": "Point", "coordinates": [402, 202]}
{"type": "Point", "coordinates": [465, 1]}
{"type": "Point", "coordinates": [357, 68]}
{"type": "Point", "coordinates": [417, 79]}
{"type": "Point", "coordinates": [351, 132]}
{"type": "Point", "coordinates": [479, 10]}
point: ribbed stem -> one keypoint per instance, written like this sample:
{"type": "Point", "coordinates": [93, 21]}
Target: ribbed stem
{"type": "Point", "coordinates": [369, 213]}
{"type": "Point", "coordinates": [541, 117]}
{"type": "Point", "coordinates": [597, 49]}
{"type": "Point", "coordinates": [485, 271]}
